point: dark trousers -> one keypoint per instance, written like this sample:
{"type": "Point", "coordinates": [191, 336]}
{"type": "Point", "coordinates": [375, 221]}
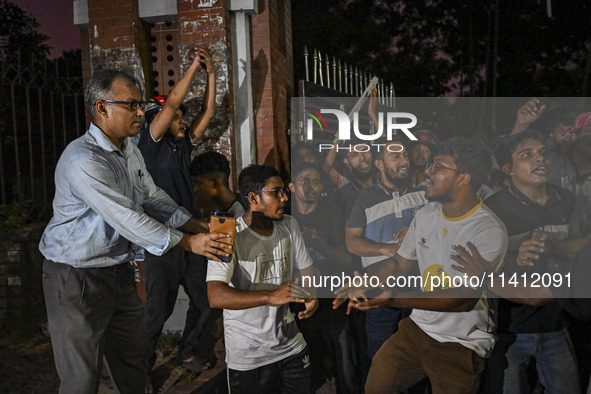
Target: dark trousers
{"type": "Point", "coordinates": [164, 275]}
{"type": "Point", "coordinates": [292, 375]}
{"type": "Point", "coordinates": [411, 355]}
{"type": "Point", "coordinates": [95, 312]}
{"type": "Point", "coordinates": [333, 349]}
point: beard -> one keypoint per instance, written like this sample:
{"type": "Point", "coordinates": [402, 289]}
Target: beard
{"type": "Point", "coordinates": [399, 182]}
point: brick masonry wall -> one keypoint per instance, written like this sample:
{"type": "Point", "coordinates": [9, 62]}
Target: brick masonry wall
{"type": "Point", "coordinates": [116, 37]}
{"type": "Point", "coordinates": [272, 81]}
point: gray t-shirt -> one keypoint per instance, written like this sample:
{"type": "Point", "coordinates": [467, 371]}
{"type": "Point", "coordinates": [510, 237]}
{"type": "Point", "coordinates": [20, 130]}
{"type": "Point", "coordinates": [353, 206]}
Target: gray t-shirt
{"type": "Point", "coordinates": [265, 334]}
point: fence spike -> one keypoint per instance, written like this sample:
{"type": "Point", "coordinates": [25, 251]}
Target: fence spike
{"type": "Point", "coordinates": [327, 65]}
{"type": "Point", "coordinates": [315, 56]}
{"type": "Point", "coordinates": [320, 69]}
{"type": "Point", "coordinates": [340, 78]}
{"type": "Point", "coordinates": [334, 73]}
{"type": "Point", "coordinates": [306, 63]}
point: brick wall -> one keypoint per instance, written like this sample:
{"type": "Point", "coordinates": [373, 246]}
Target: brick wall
{"type": "Point", "coordinates": [272, 76]}
{"type": "Point", "coordinates": [117, 37]}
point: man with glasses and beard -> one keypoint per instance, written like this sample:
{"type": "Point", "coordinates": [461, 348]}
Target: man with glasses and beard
{"type": "Point", "coordinates": [265, 350]}
{"type": "Point", "coordinates": [102, 190]}
{"type": "Point", "coordinates": [377, 224]}
{"type": "Point", "coordinates": [451, 328]}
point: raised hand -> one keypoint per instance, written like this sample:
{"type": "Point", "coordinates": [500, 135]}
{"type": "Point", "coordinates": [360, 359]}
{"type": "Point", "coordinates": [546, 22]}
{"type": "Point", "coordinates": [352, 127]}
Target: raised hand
{"type": "Point", "coordinates": [203, 59]}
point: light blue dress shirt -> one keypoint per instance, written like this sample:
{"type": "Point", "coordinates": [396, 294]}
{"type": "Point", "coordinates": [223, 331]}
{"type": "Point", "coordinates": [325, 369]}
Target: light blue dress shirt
{"type": "Point", "coordinates": [98, 208]}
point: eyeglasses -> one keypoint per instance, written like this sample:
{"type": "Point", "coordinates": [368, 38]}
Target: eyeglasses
{"type": "Point", "coordinates": [279, 192]}
{"type": "Point", "coordinates": [133, 105]}
{"type": "Point", "coordinates": [433, 168]}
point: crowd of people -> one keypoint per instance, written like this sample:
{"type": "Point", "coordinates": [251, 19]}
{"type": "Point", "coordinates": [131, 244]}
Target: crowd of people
{"type": "Point", "coordinates": [430, 208]}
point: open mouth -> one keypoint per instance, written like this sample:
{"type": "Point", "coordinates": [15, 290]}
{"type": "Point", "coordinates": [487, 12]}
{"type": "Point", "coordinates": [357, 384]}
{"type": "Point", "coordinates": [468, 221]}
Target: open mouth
{"type": "Point", "coordinates": [428, 182]}
{"type": "Point", "coordinates": [402, 170]}
{"type": "Point", "coordinates": [541, 170]}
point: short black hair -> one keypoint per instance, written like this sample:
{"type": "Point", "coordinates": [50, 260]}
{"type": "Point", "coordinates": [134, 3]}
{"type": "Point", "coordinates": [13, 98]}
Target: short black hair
{"type": "Point", "coordinates": [300, 168]}
{"type": "Point", "coordinates": [211, 164]}
{"type": "Point", "coordinates": [100, 84]}
{"type": "Point", "coordinates": [252, 179]}
{"type": "Point", "coordinates": [471, 156]}
{"type": "Point", "coordinates": [507, 145]}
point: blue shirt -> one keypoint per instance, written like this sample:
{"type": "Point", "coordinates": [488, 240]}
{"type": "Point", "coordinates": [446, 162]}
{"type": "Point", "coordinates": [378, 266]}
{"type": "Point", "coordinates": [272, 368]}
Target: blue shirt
{"type": "Point", "coordinates": [98, 208]}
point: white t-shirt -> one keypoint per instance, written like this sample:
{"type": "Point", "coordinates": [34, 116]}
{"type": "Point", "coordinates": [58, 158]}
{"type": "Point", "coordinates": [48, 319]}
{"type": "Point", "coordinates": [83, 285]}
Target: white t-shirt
{"type": "Point", "coordinates": [429, 240]}
{"type": "Point", "coordinates": [264, 334]}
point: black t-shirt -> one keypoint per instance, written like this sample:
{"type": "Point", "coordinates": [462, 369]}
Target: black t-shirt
{"type": "Point", "coordinates": [521, 215]}
{"type": "Point", "coordinates": [575, 294]}
{"type": "Point", "coordinates": [168, 162]}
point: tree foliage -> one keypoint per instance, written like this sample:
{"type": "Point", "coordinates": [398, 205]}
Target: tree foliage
{"type": "Point", "coordinates": [438, 47]}
{"type": "Point", "coordinates": [18, 34]}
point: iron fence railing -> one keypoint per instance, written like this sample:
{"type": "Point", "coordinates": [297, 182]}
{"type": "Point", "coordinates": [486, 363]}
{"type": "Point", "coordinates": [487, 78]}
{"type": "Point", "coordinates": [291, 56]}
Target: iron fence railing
{"type": "Point", "coordinates": [43, 110]}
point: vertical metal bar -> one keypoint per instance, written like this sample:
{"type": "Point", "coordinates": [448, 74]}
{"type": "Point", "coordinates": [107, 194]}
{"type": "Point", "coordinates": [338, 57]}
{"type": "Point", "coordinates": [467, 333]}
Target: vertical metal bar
{"type": "Point", "coordinates": [356, 81]}
{"type": "Point", "coordinates": [30, 134]}
{"type": "Point", "coordinates": [334, 73]}
{"type": "Point", "coordinates": [306, 63]}
{"type": "Point", "coordinates": [16, 154]}
{"type": "Point", "coordinates": [53, 133]}
{"type": "Point", "coordinates": [352, 80]}
{"type": "Point", "coordinates": [340, 77]}
{"type": "Point", "coordinates": [64, 121]}
{"type": "Point", "coordinates": [315, 64]}
{"type": "Point", "coordinates": [79, 130]}
{"type": "Point", "coordinates": [42, 144]}
{"type": "Point", "coordinates": [382, 90]}
{"type": "Point", "coordinates": [327, 64]}
{"type": "Point", "coordinates": [346, 80]}
{"type": "Point", "coordinates": [391, 95]}
{"type": "Point", "coordinates": [320, 69]}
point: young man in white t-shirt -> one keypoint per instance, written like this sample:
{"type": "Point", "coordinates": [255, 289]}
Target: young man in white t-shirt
{"type": "Point", "coordinates": [265, 351]}
{"type": "Point", "coordinates": [451, 328]}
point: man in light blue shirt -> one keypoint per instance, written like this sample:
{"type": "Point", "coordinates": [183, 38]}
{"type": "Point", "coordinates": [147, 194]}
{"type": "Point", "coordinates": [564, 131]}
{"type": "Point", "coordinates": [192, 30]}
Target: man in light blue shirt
{"type": "Point", "coordinates": [105, 201]}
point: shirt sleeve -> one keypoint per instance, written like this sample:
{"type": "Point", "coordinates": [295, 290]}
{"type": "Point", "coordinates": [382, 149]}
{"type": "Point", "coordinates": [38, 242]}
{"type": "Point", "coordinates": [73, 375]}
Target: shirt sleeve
{"type": "Point", "coordinates": [408, 248]}
{"type": "Point", "coordinates": [220, 271]}
{"type": "Point", "coordinates": [161, 206]}
{"type": "Point", "coordinates": [301, 256]}
{"type": "Point", "coordinates": [96, 184]}
{"type": "Point", "coordinates": [491, 244]}
{"type": "Point", "coordinates": [357, 218]}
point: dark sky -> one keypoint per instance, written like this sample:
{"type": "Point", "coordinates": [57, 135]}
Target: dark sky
{"type": "Point", "coordinates": [57, 22]}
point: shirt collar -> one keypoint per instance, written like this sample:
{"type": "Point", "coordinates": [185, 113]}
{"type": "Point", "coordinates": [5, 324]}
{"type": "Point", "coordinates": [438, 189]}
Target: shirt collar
{"type": "Point", "coordinates": [389, 191]}
{"type": "Point", "coordinates": [553, 195]}
{"type": "Point", "coordinates": [103, 141]}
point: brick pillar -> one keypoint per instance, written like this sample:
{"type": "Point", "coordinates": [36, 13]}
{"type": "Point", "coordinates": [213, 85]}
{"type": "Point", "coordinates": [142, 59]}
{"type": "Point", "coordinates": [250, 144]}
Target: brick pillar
{"type": "Point", "coordinates": [272, 80]}
{"type": "Point", "coordinates": [210, 28]}
{"type": "Point", "coordinates": [117, 38]}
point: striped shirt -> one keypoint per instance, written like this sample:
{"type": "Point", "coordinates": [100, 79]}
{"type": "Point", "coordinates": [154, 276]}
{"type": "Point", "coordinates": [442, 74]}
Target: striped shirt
{"type": "Point", "coordinates": [381, 212]}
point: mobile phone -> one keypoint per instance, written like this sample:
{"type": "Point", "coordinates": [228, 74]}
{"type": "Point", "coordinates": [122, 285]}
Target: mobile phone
{"type": "Point", "coordinates": [223, 222]}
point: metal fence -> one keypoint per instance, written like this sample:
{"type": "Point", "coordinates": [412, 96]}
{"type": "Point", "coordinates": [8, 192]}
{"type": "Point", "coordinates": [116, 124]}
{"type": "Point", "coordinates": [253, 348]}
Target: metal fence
{"type": "Point", "coordinates": [332, 81]}
{"type": "Point", "coordinates": [345, 78]}
{"type": "Point", "coordinates": [43, 110]}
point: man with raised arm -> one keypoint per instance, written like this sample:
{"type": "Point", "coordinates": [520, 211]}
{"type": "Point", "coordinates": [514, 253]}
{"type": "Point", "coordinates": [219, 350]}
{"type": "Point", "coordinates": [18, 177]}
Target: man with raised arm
{"type": "Point", "coordinates": [166, 145]}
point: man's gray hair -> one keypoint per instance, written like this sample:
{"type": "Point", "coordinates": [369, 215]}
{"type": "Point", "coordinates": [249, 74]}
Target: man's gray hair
{"type": "Point", "coordinates": [100, 84]}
